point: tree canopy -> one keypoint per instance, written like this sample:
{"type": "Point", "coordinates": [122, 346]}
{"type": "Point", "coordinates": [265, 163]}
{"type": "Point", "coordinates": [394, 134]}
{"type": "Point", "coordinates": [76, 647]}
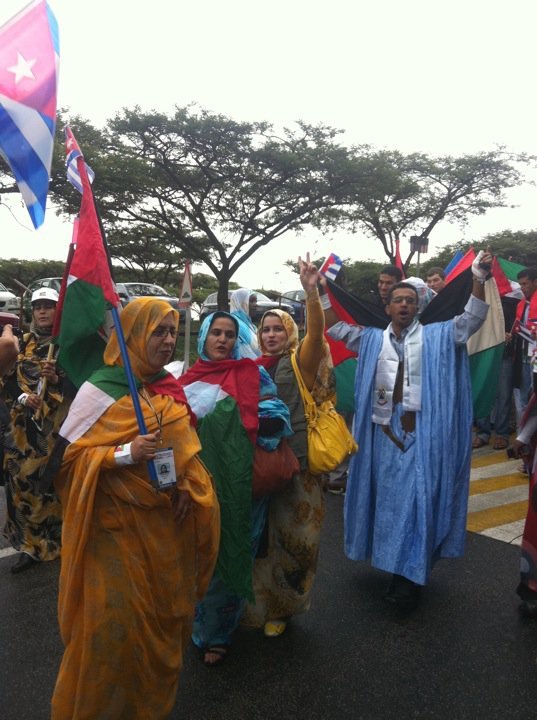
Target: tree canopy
{"type": "Point", "coordinates": [410, 194]}
{"type": "Point", "coordinates": [210, 188]}
{"type": "Point", "coordinates": [202, 186]}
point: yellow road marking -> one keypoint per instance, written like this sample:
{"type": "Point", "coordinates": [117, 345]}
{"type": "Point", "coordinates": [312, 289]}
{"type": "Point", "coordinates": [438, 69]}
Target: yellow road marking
{"type": "Point", "coordinates": [501, 482]}
{"type": "Point", "coordinates": [501, 515]}
{"type": "Point", "coordinates": [498, 456]}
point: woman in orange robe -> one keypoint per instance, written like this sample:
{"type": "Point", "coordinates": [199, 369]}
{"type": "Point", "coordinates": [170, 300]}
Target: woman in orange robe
{"type": "Point", "coordinates": [134, 560]}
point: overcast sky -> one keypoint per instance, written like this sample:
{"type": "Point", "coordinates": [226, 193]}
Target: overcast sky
{"type": "Point", "coordinates": [442, 78]}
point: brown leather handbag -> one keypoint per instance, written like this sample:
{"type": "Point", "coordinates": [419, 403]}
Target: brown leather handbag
{"type": "Point", "coordinates": [273, 469]}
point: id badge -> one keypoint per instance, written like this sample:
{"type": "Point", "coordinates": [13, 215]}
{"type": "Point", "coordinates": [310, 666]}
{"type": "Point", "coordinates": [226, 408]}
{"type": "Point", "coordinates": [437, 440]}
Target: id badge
{"type": "Point", "coordinates": [165, 467]}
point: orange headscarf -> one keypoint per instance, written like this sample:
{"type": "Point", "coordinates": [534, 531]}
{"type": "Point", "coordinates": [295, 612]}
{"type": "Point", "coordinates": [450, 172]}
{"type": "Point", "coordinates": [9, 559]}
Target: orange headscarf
{"type": "Point", "coordinates": [139, 319]}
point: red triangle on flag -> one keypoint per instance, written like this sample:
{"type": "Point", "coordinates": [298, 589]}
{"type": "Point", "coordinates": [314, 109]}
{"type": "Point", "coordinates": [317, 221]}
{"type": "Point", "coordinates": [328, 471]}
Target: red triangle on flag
{"type": "Point", "coordinates": [502, 281]}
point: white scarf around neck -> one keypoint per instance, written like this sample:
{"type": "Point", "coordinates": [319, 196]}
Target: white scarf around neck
{"type": "Point", "coordinates": [386, 374]}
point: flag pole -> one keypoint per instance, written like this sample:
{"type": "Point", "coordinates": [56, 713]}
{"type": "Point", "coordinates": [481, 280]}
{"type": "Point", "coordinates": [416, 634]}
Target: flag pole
{"type": "Point", "coordinates": [185, 300]}
{"type": "Point", "coordinates": [121, 338]}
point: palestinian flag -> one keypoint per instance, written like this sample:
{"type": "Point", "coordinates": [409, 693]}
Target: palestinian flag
{"type": "Point", "coordinates": [510, 269]}
{"type": "Point", "coordinates": [87, 290]}
{"type": "Point", "coordinates": [224, 397]}
{"type": "Point", "coordinates": [485, 350]}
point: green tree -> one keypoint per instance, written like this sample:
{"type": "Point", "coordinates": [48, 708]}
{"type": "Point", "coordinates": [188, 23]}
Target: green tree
{"type": "Point", "coordinates": [410, 194]}
{"type": "Point", "coordinates": [25, 271]}
{"type": "Point", "coordinates": [202, 186]}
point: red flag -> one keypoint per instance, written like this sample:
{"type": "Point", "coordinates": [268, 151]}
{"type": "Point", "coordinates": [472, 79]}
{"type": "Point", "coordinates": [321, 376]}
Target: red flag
{"type": "Point", "coordinates": [398, 261]}
{"type": "Point", "coordinates": [90, 290]}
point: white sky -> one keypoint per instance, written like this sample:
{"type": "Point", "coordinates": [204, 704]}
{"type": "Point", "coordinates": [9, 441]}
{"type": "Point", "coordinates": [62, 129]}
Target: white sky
{"type": "Point", "coordinates": [419, 75]}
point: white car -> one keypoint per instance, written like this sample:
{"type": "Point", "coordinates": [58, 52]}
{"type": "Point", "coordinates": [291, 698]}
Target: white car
{"type": "Point", "coordinates": [9, 302]}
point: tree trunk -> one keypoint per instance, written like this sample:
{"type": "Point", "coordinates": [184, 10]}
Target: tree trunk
{"type": "Point", "coordinates": [223, 285]}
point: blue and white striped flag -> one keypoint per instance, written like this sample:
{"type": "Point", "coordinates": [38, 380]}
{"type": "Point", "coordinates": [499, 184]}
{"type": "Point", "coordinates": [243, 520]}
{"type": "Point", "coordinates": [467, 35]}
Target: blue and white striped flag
{"type": "Point", "coordinates": [331, 267]}
{"type": "Point", "coordinates": [74, 152]}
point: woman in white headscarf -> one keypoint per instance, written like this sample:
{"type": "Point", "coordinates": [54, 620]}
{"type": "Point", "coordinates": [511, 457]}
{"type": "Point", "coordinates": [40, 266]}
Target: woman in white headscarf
{"type": "Point", "coordinates": [239, 307]}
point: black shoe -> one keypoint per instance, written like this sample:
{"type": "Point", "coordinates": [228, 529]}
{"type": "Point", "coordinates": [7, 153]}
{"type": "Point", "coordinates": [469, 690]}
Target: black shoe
{"type": "Point", "coordinates": [528, 609]}
{"type": "Point", "coordinates": [403, 593]}
{"type": "Point", "coordinates": [24, 562]}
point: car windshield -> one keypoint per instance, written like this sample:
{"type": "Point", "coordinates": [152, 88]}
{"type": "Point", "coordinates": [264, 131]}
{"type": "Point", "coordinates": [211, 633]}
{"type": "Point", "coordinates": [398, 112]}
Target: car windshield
{"type": "Point", "coordinates": [3, 288]}
{"type": "Point", "coordinates": [260, 297]}
{"type": "Point", "coordinates": [296, 295]}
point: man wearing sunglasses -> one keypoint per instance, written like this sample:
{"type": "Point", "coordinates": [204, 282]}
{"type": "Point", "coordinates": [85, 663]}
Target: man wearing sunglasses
{"type": "Point", "coordinates": [407, 489]}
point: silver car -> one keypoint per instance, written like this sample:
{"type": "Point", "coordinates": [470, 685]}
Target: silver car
{"type": "Point", "coordinates": [264, 303]}
{"type": "Point", "coordinates": [130, 290]}
{"type": "Point", "coordinates": [9, 302]}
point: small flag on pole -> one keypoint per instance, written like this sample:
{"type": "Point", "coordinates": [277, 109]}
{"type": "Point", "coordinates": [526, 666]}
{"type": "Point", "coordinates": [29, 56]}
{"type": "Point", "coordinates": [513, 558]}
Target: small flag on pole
{"type": "Point", "coordinates": [29, 60]}
{"type": "Point", "coordinates": [72, 152]}
{"type": "Point", "coordinates": [331, 267]}
{"type": "Point", "coordinates": [398, 261]}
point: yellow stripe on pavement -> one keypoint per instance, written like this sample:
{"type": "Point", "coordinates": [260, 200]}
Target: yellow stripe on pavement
{"type": "Point", "coordinates": [501, 515]}
{"type": "Point", "coordinates": [501, 482]}
{"type": "Point", "coordinates": [493, 458]}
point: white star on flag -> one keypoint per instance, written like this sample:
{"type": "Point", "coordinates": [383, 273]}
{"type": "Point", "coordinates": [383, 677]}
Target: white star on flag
{"type": "Point", "coordinates": [23, 68]}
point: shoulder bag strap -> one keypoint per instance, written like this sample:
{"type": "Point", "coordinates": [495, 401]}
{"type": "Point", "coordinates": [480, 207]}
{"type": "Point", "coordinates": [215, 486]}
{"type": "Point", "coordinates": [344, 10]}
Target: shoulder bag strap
{"type": "Point", "coordinates": [310, 406]}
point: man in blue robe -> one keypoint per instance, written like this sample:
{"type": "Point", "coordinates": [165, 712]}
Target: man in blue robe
{"type": "Point", "coordinates": [407, 490]}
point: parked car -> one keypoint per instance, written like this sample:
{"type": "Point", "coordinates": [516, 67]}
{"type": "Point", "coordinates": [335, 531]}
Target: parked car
{"type": "Point", "coordinates": [297, 298]}
{"type": "Point", "coordinates": [129, 291]}
{"type": "Point", "coordinates": [126, 291]}
{"type": "Point", "coordinates": [9, 302]}
{"type": "Point", "coordinates": [264, 303]}
{"type": "Point", "coordinates": [51, 282]}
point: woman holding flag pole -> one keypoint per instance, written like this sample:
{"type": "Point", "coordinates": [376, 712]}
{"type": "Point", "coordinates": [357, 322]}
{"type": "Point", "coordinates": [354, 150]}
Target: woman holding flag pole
{"type": "Point", "coordinates": [137, 551]}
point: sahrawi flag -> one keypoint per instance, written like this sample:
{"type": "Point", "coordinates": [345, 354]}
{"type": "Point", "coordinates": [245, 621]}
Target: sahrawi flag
{"type": "Point", "coordinates": [87, 292]}
{"type": "Point", "coordinates": [224, 397]}
{"type": "Point", "coordinates": [29, 59]}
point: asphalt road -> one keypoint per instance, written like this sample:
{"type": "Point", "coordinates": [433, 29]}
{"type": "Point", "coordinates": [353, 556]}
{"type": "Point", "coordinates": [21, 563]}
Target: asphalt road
{"type": "Point", "coordinates": [464, 654]}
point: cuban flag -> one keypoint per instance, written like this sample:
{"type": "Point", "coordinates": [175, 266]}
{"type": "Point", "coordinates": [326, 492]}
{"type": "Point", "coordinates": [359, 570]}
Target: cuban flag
{"type": "Point", "coordinates": [29, 60]}
{"type": "Point", "coordinates": [331, 267]}
{"type": "Point", "coordinates": [72, 152]}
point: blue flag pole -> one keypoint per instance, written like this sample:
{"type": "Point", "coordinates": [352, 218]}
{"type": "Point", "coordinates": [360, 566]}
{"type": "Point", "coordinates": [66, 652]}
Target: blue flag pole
{"type": "Point", "coordinates": [133, 390]}
{"type": "Point", "coordinates": [82, 170]}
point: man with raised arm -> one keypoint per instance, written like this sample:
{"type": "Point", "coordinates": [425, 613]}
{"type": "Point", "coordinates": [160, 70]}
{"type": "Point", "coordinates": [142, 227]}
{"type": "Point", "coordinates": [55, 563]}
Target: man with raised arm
{"type": "Point", "coordinates": [407, 490]}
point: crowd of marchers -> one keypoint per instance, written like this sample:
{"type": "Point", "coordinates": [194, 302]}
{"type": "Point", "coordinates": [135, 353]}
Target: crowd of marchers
{"type": "Point", "coordinates": [150, 488]}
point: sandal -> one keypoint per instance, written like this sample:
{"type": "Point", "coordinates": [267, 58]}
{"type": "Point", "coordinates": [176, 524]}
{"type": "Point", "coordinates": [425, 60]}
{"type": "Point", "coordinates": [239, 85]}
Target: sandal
{"type": "Point", "coordinates": [479, 442]}
{"type": "Point", "coordinates": [500, 443]}
{"type": "Point", "coordinates": [274, 628]}
{"type": "Point", "coordinates": [218, 651]}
